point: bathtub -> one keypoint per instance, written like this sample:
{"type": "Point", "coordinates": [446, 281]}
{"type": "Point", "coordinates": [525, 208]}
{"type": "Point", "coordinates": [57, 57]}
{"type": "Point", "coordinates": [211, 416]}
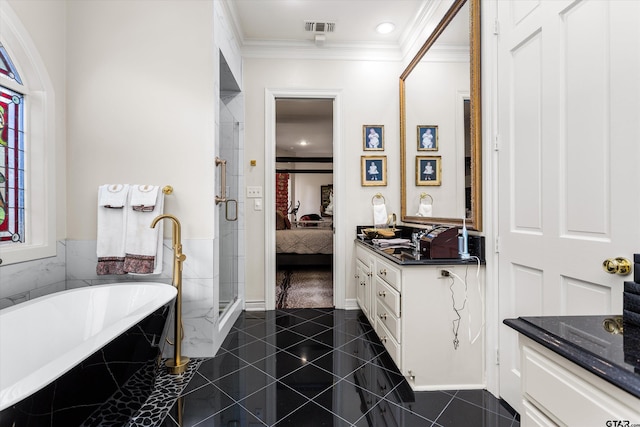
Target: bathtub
{"type": "Point", "coordinates": [89, 340]}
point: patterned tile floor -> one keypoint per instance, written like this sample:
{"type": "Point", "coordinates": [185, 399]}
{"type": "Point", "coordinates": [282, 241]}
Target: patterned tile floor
{"type": "Point", "coordinates": [317, 367]}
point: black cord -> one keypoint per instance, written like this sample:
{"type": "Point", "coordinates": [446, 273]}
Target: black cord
{"type": "Point", "coordinates": [456, 322]}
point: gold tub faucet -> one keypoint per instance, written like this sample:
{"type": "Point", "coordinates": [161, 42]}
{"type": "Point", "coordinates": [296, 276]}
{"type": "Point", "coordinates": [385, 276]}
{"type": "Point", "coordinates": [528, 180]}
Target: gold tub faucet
{"type": "Point", "coordinates": [179, 363]}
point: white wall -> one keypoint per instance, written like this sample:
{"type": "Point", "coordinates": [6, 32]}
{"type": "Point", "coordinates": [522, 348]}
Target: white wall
{"type": "Point", "coordinates": [370, 96]}
{"type": "Point", "coordinates": [141, 106]}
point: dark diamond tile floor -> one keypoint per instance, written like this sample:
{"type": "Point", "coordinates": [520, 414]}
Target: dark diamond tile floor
{"type": "Point", "coordinates": [318, 367]}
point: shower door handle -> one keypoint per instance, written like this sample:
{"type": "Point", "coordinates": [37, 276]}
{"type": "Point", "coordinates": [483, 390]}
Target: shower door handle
{"type": "Point", "coordinates": [223, 180]}
{"type": "Point", "coordinates": [226, 209]}
{"type": "Point", "coordinates": [223, 191]}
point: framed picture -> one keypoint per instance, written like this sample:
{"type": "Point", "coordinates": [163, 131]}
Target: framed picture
{"type": "Point", "coordinates": [374, 170]}
{"type": "Point", "coordinates": [326, 200]}
{"type": "Point", "coordinates": [428, 170]}
{"type": "Point", "coordinates": [373, 137]}
{"type": "Point", "coordinates": [427, 138]}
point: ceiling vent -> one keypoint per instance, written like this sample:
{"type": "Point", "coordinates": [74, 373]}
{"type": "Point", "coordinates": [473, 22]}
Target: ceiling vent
{"type": "Point", "coordinates": [319, 27]}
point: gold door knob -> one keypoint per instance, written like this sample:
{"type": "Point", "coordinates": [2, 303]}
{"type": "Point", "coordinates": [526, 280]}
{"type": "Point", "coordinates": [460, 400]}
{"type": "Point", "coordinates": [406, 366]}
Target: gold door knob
{"type": "Point", "coordinates": [621, 266]}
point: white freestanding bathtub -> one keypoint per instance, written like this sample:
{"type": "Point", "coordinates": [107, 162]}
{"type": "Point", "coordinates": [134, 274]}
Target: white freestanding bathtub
{"type": "Point", "coordinates": [44, 339]}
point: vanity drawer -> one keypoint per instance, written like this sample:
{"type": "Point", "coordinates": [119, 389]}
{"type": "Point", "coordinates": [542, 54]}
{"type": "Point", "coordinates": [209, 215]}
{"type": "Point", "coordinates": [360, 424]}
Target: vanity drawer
{"type": "Point", "coordinates": [386, 317]}
{"type": "Point", "coordinates": [363, 255]}
{"type": "Point", "coordinates": [388, 295]}
{"type": "Point", "coordinates": [388, 273]}
{"type": "Point", "coordinates": [392, 346]}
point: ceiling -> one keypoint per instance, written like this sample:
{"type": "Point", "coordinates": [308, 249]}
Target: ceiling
{"type": "Point", "coordinates": [280, 24]}
{"type": "Point", "coordinates": [304, 127]}
{"type": "Point", "coordinates": [276, 28]}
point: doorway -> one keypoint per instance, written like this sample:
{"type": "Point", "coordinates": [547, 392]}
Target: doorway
{"type": "Point", "coordinates": [337, 271]}
{"type": "Point", "coordinates": [304, 202]}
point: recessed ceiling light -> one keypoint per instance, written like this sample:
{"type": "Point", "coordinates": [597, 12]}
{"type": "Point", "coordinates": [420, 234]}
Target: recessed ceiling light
{"type": "Point", "coordinates": [385, 27]}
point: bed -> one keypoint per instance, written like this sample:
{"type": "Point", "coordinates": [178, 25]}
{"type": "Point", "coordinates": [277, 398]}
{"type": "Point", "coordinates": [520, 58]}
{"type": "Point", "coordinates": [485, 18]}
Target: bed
{"type": "Point", "coordinates": [305, 244]}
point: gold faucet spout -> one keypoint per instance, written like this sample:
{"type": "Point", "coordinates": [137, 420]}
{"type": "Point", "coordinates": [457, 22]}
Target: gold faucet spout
{"type": "Point", "coordinates": [178, 364]}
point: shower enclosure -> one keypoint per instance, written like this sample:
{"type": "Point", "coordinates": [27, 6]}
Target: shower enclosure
{"type": "Point", "coordinates": [228, 229]}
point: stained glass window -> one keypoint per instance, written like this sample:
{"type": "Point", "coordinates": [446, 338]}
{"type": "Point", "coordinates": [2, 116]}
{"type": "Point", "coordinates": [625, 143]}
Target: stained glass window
{"type": "Point", "coordinates": [11, 155]}
{"type": "Point", "coordinates": [6, 66]}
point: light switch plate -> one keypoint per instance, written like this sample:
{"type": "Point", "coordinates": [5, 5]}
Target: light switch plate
{"type": "Point", "coordinates": [254, 192]}
{"type": "Point", "coordinates": [257, 205]}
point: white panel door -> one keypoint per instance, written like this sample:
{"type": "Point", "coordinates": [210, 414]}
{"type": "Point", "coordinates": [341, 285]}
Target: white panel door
{"type": "Point", "coordinates": [569, 193]}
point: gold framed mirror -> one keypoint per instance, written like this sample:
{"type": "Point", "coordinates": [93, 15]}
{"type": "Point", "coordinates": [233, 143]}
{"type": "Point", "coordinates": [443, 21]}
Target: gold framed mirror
{"type": "Point", "coordinates": [440, 118]}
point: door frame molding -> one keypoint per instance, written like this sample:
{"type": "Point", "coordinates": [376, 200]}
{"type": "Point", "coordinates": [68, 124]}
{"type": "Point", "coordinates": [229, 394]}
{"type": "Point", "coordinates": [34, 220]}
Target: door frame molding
{"type": "Point", "coordinates": [339, 269]}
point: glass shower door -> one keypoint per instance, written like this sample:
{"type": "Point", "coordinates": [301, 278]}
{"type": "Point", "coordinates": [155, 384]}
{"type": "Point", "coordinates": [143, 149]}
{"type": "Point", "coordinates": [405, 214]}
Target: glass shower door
{"type": "Point", "coordinates": [228, 211]}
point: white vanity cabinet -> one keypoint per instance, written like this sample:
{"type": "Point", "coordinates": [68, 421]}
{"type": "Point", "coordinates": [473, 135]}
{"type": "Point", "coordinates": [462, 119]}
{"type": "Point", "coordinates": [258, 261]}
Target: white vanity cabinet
{"type": "Point", "coordinates": [556, 391]}
{"type": "Point", "coordinates": [363, 281]}
{"type": "Point", "coordinates": [414, 318]}
{"type": "Point", "coordinates": [387, 297]}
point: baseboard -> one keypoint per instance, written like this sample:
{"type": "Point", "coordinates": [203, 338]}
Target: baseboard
{"type": "Point", "coordinates": [448, 387]}
{"type": "Point", "coordinates": [351, 304]}
{"type": "Point", "coordinates": [255, 306]}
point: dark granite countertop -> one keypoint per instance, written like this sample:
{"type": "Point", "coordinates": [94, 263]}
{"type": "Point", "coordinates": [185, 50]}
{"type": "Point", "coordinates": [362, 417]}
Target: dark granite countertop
{"type": "Point", "coordinates": [405, 255]}
{"type": "Point", "coordinates": [584, 341]}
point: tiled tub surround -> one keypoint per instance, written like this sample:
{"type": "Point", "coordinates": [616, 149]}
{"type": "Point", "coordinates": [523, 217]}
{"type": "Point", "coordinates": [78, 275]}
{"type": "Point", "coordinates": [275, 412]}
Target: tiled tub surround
{"type": "Point", "coordinates": [31, 279]}
{"type": "Point", "coordinates": [110, 336]}
{"type": "Point", "coordinates": [74, 266]}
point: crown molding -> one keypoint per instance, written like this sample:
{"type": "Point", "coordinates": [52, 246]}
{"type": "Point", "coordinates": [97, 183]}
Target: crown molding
{"type": "Point", "coordinates": [413, 35]}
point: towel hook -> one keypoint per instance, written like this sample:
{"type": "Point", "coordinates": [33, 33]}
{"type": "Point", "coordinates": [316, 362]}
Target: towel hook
{"type": "Point", "coordinates": [378, 196]}
{"type": "Point", "coordinates": [167, 189]}
{"type": "Point", "coordinates": [424, 196]}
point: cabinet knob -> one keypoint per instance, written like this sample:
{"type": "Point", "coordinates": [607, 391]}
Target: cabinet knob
{"type": "Point", "coordinates": [383, 316]}
{"type": "Point", "coordinates": [383, 272]}
{"type": "Point", "coordinates": [357, 276]}
{"type": "Point", "coordinates": [383, 339]}
{"type": "Point", "coordinates": [383, 294]}
{"type": "Point", "coordinates": [369, 273]}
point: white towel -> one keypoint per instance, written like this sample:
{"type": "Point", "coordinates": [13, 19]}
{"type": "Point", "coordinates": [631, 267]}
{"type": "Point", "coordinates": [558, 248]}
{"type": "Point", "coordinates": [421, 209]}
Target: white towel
{"type": "Point", "coordinates": [380, 216]}
{"type": "Point", "coordinates": [425, 210]}
{"type": "Point", "coordinates": [144, 197]}
{"type": "Point", "coordinates": [143, 244]}
{"type": "Point", "coordinates": [110, 246]}
{"type": "Point", "coordinates": [391, 242]}
{"type": "Point", "coordinates": [113, 195]}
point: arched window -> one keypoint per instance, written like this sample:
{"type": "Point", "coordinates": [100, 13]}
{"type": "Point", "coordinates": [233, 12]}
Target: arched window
{"type": "Point", "coordinates": [27, 148]}
{"type": "Point", "coordinates": [12, 153]}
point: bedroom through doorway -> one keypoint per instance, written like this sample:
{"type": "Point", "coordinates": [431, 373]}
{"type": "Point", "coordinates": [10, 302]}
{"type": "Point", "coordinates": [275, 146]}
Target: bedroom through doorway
{"type": "Point", "coordinates": [304, 203]}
